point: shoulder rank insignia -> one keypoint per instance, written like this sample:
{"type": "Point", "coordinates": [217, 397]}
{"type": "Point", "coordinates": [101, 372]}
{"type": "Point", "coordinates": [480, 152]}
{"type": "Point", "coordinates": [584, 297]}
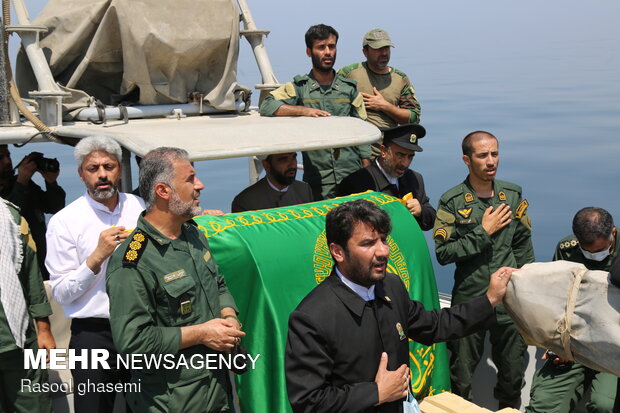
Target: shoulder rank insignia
{"type": "Point", "coordinates": [569, 244]}
{"type": "Point", "coordinates": [469, 197]}
{"type": "Point", "coordinates": [134, 250]}
{"type": "Point", "coordinates": [440, 233]}
{"type": "Point", "coordinates": [502, 196]}
{"type": "Point", "coordinates": [521, 209]}
{"type": "Point", "coordinates": [464, 212]}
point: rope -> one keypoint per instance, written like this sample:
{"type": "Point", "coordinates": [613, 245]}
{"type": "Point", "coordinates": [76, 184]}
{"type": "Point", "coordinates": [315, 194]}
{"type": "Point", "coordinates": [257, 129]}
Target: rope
{"type": "Point", "coordinates": [564, 325]}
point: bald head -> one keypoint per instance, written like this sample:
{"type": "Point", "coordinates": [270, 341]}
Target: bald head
{"type": "Point", "coordinates": [468, 141]}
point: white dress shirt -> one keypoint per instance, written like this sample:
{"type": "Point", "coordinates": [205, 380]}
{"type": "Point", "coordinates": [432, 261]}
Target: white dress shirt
{"type": "Point", "coordinates": [275, 188]}
{"type": "Point", "coordinates": [367, 294]}
{"type": "Point", "coordinates": [72, 235]}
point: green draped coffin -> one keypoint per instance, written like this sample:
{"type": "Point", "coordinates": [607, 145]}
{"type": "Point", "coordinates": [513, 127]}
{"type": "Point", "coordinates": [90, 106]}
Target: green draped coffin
{"type": "Point", "coordinates": [272, 258]}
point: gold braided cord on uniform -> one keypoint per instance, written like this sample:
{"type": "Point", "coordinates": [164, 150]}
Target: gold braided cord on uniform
{"type": "Point", "coordinates": [260, 218]}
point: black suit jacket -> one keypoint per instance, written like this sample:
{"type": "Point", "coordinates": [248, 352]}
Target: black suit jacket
{"type": "Point", "coordinates": [371, 178]}
{"type": "Point", "coordinates": [334, 346]}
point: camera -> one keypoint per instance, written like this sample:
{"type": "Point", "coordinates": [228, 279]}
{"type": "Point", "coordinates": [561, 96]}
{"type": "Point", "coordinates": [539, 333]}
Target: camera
{"type": "Point", "coordinates": [45, 164]}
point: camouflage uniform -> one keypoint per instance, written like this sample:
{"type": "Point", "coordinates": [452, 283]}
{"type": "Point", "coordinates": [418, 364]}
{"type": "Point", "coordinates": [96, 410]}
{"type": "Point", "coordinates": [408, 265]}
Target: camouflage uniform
{"type": "Point", "coordinates": [460, 238]}
{"type": "Point", "coordinates": [12, 371]}
{"type": "Point", "coordinates": [156, 286]}
{"type": "Point", "coordinates": [557, 388]}
{"type": "Point", "coordinates": [324, 168]}
{"type": "Point", "coordinates": [395, 88]}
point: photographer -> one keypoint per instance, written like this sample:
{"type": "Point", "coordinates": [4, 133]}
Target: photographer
{"type": "Point", "coordinates": [33, 201]}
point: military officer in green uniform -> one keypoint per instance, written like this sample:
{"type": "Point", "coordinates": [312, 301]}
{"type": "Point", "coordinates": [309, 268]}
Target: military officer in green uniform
{"type": "Point", "coordinates": [482, 224]}
{"type": "Point", "coordinates": [167, 297]}
{"type": "Point", "coordinates": [322, 93]}
{"type": "Point", "coordinates": [560, 384]}
{"type": "Point", "coordinates": [23, 300]}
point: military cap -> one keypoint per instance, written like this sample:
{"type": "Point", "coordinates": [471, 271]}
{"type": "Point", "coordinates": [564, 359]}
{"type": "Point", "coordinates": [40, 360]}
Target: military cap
{"type": "Point", "coordinates": [377, 38]}
{"type": "Point", "coordinates": [405, 136]}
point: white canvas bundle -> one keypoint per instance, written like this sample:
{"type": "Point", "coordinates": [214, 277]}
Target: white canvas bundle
{"type": "Point", "coordinates": [563, 307]}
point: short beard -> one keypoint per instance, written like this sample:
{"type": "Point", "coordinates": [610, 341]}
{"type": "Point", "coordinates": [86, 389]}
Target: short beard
{"type": "Point", "coordinates": [360, 275]}
{"type": "Point", "coordinates": [105, 193]}
{"type": "Point", "coordinates": [282, 179]}
{"type": "Point", "coordinates": [316, 64]}
{"type": "Point", "coordinates": [182, 209]}
{"type": "Point", "coordinates": [389, 170]}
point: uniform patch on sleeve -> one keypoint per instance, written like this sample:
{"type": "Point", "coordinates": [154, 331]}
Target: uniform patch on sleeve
{"type": "Point", "coordinates": [444, 224]}
{"type": "Point", "coordinates": [284, 92]}
{"type": "Point", "coordinates": [24, 229]}
{"type": "Point", "coordinates": [440, 234]}
{"type": "Point", "coordinates": [527, 223]}
{"type": "Point", "coordinates": [135, 249]}
{"type": "Point", "coordinates": [521, 209]}
{"type": "Point", "coordinates": [445, 217]}
{"type": "Point", "coordinates": [358, 104]}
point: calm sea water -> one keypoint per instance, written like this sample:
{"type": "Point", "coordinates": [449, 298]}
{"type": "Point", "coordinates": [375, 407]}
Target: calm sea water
{"type": "Point", "coordinates": [544, 78]}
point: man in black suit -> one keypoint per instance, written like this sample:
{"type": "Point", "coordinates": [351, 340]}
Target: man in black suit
{"type": "Point", "coordinates": [390, 173]}
{"type": "Point", "coordinates": [347, 347]}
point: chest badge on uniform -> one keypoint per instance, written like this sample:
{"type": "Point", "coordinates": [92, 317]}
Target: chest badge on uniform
{"type": "Point", "coordinates": [175, 275]}
{"type": "Point", "coordinates": [388, 299]}
{"type": "Point", "coordinates": [186, 307]}
{"type": "Point", "coordinates": [469, 197]}
{"type": "Point", "coordinates": [502, 196]}
{"type": "Point", "coordinates": [465, 212]}
{"type": "Point", "coordinates": [401, 332]}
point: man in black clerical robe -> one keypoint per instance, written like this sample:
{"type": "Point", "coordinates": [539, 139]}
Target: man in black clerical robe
{"type": "Point", "coordinates": [347, 347]}
{"type": "Point", "coordinates": [389, 173]}
{"type": "Point", "coordinates": [278, 188]}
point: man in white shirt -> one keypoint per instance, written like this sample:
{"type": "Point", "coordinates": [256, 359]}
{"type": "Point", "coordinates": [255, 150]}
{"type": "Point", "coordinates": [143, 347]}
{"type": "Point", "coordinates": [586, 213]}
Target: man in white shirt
{"type": "Point", "coordinates": [80, 238]}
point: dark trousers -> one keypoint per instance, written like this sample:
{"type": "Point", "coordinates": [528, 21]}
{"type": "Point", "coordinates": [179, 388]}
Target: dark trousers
{"type": "Point", "coordinates": [94, 333]}
{"type": "Point", "coordinates": [14, 397]}
{"type": "Point", "coordinates": [617, 402]}
{"type": "Point", "coordinates": [508, 354]}
{"type": "Point", "coordinates": [558, 389]}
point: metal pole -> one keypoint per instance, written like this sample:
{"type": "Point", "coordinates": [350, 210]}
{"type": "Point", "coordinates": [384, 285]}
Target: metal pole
{"type": "Point", "coordinates": [256, 39]}
{"type": "Point", "coordinates": [30, 41]}
{"type": "Point", "coordinates": [5, 118]}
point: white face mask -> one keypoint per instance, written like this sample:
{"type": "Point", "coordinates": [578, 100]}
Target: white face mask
{"type": "Point", "coordinates": [598, 256]}
{"type": "Point", "coordinates": [595, 256]}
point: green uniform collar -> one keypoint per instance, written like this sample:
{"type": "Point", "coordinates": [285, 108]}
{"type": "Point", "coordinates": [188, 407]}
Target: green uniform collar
{"type": "Point", "coordinates": [470, 194]}
{"type": "Point", "coordinates": [154, 234]}
{"type": "Point", "coordinates": [314, 84]}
